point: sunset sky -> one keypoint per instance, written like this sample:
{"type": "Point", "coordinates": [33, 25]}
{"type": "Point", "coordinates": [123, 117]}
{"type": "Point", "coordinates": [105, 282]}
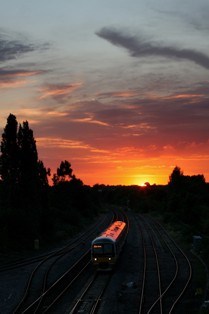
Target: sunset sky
{"type": "Point", "coordinates": [118, 88]}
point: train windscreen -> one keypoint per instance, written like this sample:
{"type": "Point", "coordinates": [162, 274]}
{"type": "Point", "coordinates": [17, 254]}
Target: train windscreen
{"type": "Point", "coordinates": [103, 249]}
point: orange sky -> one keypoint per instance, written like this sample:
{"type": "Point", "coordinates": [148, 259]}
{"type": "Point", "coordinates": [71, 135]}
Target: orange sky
{"type": "Point", "coordinates": [132, 141]}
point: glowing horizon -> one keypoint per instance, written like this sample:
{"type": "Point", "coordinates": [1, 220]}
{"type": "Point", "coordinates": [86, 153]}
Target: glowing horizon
{"type": "Point", "coordinates": [118, 167]}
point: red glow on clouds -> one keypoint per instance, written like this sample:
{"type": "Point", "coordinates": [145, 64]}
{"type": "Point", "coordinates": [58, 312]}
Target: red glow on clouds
{"type": "Point", "coordinates": [58, 90]}
{"type": "Point", "coordinates": [12, 84]}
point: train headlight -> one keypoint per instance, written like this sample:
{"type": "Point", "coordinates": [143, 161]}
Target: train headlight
{"type": "Point", "coordinates": [109, 258]}
{"type": "Point", "coordinates": [95, 258]}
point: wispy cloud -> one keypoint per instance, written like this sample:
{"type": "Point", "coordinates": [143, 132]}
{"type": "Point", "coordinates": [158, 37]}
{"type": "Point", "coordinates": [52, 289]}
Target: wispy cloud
{"type": "Point", "coordinates": [118, 94]}
{"type": "Point", "coordinates": [90, 119]}
{"type": "Point", "coordinates": [58, 91]}
{"type": "Point", "coordinates": [13, 45]}
{"type": "Point", "coordinates": [10, 78]}
{"type": "Point", "coordinates": [61, 143]}
{"type": "Point", "coordinates": [139, 47]}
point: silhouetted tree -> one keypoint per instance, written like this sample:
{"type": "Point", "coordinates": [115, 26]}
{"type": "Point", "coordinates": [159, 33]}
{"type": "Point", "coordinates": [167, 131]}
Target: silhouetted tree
{"type": "Point", "coordinates": [43, 174]}
{"type": "Point", "coordinates": [28, 155]}
{"type": "Point", "coordinates": [9, 150]}
{"type": "Point", "coordinates": [64, 173]}
{"type": "Point", "coordinates": [65, 170]}
{"type": "Point", "coordinates": [23, 178]}
{"type": "Point", "coordinates": [9, 161]}
{"type": "Point", "coordinates": [33, 176]}
{"type": "Point", "coordinates": [187, 197]}
{"type": "Point", "coordinates": [176, 177]}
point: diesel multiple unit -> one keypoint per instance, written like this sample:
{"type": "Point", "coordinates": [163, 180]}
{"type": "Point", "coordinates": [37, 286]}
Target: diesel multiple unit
{"type": "Point", "coordinates": [106, 248]}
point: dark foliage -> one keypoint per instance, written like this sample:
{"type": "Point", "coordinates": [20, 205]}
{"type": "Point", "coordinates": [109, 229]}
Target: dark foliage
{"type": "Point", "coordinates": [29, 207]}
{"type": "Point", "coordinates": [64, 173]}
{"type": "Point", "coordinates": [24, 182]}
{"type": "Point", "coordinates": [72, 202]}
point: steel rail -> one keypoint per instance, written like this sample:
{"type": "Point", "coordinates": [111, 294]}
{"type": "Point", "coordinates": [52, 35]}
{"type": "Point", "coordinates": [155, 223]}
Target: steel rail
{"type": "Point", "coordinates": [101, 283]}
{"type": "Point", "coordinates": [172, 280]}
{"type": "Point", "coordinates": [144, 270]}
{"type": "Point", "coordinates": [56, 286]}
{"type": "Point", "coordinates": [157, 268]}
{"type": "Point", "coordinates": [177, 267]}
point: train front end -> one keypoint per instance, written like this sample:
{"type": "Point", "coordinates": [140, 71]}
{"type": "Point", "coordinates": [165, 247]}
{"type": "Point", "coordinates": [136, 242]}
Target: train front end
{"type": "Point", "coordinates": [103, 253]}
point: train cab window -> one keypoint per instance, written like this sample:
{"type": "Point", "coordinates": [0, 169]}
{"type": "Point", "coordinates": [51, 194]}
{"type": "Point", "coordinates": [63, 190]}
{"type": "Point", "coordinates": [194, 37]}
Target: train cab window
{"type": "Point", "coordinates": [103, 249]}
{"type": "Point", "coordinates": [108, 249]}
{"type": "Point", "coordinates": [97, 249]}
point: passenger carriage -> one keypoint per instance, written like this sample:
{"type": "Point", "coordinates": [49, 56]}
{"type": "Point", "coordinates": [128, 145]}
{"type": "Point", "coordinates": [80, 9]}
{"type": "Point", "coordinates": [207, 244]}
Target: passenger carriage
{"type": "Point", "coordinates": [106, 248]}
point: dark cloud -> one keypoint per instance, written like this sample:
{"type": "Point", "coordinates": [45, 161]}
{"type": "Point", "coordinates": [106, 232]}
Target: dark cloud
{"type": "Point", "coordinates": [12, 77]}
{"type": "Point", "coordinates": [138, 47]}
{"type": "Point", "coordinates": [11, 73]}
{"type": "Point", "coordinates": [12, 48]}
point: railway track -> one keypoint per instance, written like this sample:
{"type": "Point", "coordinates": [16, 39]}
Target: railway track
{"type": "Point", "coordinates": [176, 288]}
{"type": "Point", "coordinates": [160, 269]}
{"type": "Point", "coordinates": [42, 293]}
{"type": "Point", "coordinates": [151, 276]}
{"type": "Point", "coordinates": [90, 299]}
{"type": "Point", "coordinates": [55, 264]}
{"type": "Point", "coordinates": [18, 263]}
{"type": "Point", "coordinates": [167, 275]}
{"type": "Point", "coordinates": [51, 296]}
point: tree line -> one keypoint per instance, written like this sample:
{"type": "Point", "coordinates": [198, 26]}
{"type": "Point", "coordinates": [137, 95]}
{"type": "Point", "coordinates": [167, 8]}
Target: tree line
{"type": "Point", "coordinates": [29, 207]}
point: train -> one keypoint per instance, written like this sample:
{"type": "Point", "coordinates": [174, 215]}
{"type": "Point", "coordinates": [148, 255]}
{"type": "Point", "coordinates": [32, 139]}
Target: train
{"type": "Point", "coordinates": [106, 248]}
